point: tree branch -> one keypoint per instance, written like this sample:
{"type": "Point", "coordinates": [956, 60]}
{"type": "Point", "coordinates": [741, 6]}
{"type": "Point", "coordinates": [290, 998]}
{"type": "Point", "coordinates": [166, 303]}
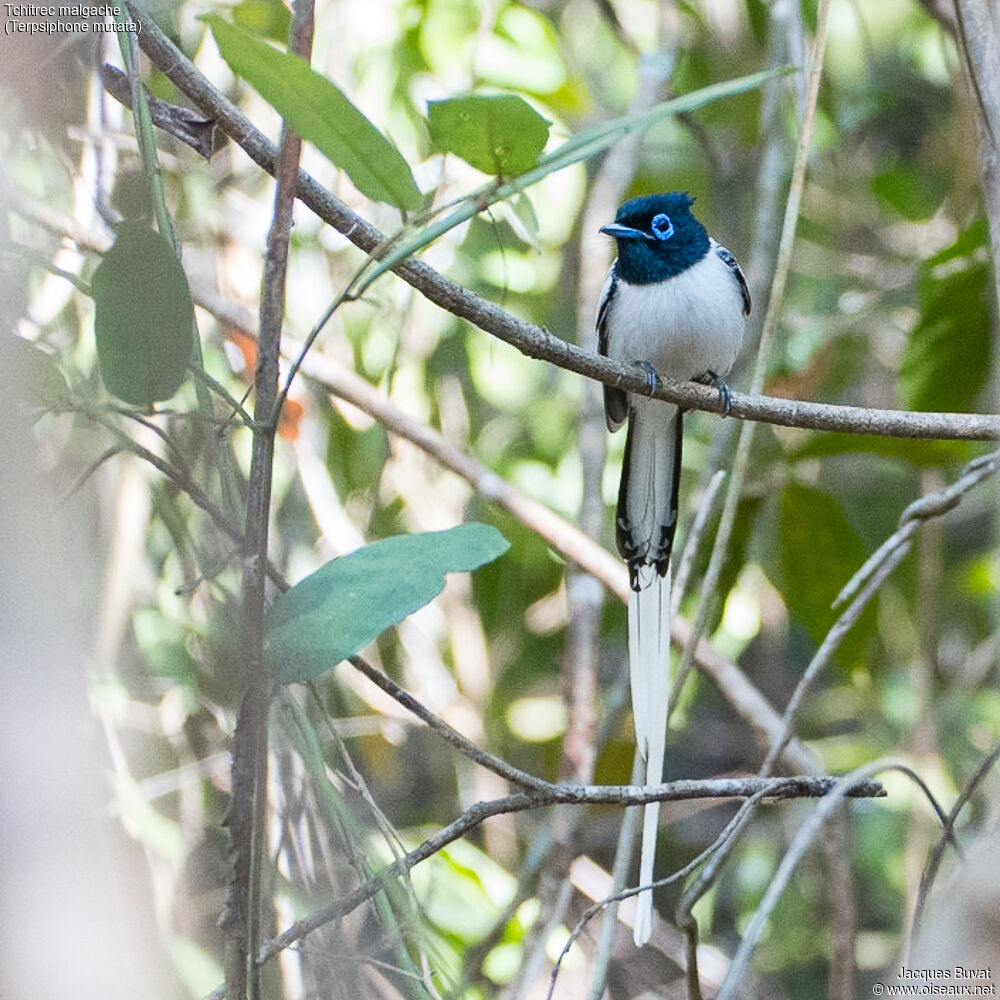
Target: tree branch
{"type": "Point", "coordinates": [947, 837]}
{"type": "Point", "coordinates": [745, 698]}
{"type": "Point", "coordinates": [246, 818]}
{"type": "Point", "coordinates": [531, 340]}
{"type": "Point", "coordinates": [804, 837]}
{"type": "Point", "coordinates": [495, 764]}
{"type": "Point", "coordinates": [802, 786]}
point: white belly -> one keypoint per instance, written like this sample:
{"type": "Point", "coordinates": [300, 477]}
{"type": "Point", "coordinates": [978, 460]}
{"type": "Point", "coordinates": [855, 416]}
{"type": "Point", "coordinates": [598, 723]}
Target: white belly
{"type": "Point", "coordinates": [684, 326]}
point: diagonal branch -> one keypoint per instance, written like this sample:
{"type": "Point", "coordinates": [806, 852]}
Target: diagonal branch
{"type": "Point", "coordinates": [529, 339]}
{"type": "Point", "coordinates": [804, 837]}
{"type": "Point", "coordinates": [246, 818]}
{"type": "Point", "coordinates": [947, 837]}
{"type": "Point", "coordinates": [745, 698]}
{"type": "Point", "coordinates": [803, 786]}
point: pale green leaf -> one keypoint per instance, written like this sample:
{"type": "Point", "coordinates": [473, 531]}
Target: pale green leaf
{"type": "Point", "coordinates": [347, 603]}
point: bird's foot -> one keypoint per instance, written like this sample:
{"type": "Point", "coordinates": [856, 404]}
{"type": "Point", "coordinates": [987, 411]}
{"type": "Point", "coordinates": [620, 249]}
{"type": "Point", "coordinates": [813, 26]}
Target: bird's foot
{"type": "Point", "coordinates": [712, 378]}
{"type": "Point", "coordinates": [652, 376]}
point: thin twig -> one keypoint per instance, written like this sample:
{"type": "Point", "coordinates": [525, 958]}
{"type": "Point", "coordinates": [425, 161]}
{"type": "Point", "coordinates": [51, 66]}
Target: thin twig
{"type": "Point", "coordinates": [184, 483]}
{"type": "Point", "coordinates": [246, 818]}
{"type": "Point", "coordinates": [495, 764]}
{"type": "Point", "coordinates": [624, 851]}
{"type": "Point", "coordinates": [709, 594]}
{"type": "Point", "coordinates": [932, 505]}
{"type": "Point", "coordinates": [796, 851]}
{"type": "Point", "coordinates": [843, 932]}
{"type": "Point", "coordinates": [728, 832]}
{"type": "Point", "coordinates": [946, 838]}
{"type": "Point", "coordinates": [532, 340]}
{"type": "Point", "coordinates": [831, 642]}
{"type": "Point", "coordinates": [389, 835]}
{"type": "Point", "coordinates": [684, 914]}
{"type": "Point", "coordinates": [800, 786]}
{"type": "Point", "coordinates": [691, 544]}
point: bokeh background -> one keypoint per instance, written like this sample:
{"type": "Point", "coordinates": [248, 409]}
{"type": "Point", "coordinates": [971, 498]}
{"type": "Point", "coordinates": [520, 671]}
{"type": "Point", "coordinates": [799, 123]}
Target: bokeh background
{"type": "Point", "coordinates": [888, 304]}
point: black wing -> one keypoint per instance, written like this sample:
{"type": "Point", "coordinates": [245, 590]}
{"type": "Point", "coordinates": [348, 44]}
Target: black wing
{"type": "Point", "coordinates": [615, 400]}
{"type": "Point", "coordinates": [731, 262]}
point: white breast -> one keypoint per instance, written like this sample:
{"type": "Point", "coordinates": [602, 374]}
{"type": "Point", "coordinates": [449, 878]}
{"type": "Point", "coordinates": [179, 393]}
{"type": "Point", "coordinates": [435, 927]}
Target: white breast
{"type": "Point", "coordinates": [684, 326]}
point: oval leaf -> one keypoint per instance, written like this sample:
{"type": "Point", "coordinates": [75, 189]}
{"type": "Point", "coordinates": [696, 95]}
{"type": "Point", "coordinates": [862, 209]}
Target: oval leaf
{"type": "Point", "coordinates": [320, 113]}
{"type": "Point", "coordinates": [946, 362]}
{"type": "Point", "coordinates": [143, 317]}
{"type": "Point", "coordinates": [347, 603]}
{"type": "Point", "coordinates": [583, 145]}
{"type": "Point", "coordinates": [496, 133]}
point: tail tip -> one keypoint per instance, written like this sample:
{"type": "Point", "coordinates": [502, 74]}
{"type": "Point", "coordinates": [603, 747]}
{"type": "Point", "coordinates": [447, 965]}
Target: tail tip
{"type": "Point", "coordinates": [643, 927]}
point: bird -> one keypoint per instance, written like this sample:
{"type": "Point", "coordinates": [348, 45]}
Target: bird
{"type": "Point", "coordinates": [675, 302]}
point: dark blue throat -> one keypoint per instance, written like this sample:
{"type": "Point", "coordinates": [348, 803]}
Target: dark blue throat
{"type": "Point", "coordinates": [644, 262]}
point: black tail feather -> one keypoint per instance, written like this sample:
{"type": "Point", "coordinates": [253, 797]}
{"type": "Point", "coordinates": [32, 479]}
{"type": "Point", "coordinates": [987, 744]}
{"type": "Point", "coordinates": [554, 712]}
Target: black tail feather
{"type": "Point", "coordinates": [656, 550]}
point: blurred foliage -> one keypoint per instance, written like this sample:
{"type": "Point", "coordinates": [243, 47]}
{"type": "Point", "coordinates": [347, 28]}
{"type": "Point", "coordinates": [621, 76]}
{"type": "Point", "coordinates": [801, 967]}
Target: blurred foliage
{"type": "Point", "coordinates": [887, 306]}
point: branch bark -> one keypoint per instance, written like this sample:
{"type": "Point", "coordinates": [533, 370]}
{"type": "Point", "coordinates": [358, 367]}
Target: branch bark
{"type": "Point", "coordinates": [247, 815]}
{"type": "Point", "coordinates": [745, 698]}
{"type": "Point", "coordinates": [531, 340]}
{"type": "Point", "coordinates": [802, 786]}
{"type": "Point", "coordinates": [978, 28]}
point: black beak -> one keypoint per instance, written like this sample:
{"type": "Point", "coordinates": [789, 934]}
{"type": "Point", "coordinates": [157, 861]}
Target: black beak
{"type": "Point", "coordinates": [620, 232]}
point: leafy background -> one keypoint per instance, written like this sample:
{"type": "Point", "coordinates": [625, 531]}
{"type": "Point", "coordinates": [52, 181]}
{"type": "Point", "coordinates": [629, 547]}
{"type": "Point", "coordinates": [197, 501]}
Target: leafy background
{"type": "Point", "coordinates": [888, 305]}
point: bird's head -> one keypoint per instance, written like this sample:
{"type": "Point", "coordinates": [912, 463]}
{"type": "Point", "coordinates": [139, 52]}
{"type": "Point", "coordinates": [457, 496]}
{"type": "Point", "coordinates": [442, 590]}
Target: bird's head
{"type": "Point", "coordinates": [657, 237]}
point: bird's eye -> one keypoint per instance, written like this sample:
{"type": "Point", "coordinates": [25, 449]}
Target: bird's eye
{"type": "Point", "coordinates": [662, 227]}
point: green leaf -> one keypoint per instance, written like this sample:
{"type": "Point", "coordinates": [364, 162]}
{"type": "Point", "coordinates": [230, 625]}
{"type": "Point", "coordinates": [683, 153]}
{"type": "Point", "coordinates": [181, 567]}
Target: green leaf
{"type": "Point", "coordinates": [496, 133]}
{"type": "Point", "coordinates": [758, 15]}
{"type": "Point", "coordinates": [320, 113]}
{"type": "Point", "coordinates": [917, 452]}
{"type": "Point", "coordinates": [946, 362]}
{"type": "Point", "coordinates": [347, 603]}
{"type": "Point", "coordinates": [269, 18]}
{"type": "Point", "coordinates": [44, 386]}
{"type": "Point", "coordinates": [143, 317]}
{"type": "Point", "coordinates": [910, 190]}
{"type": "Point", "coordinates": [582, 146]}
{"type": "Point", "coordinates": [966, 244]}
{"type": "Point", "coordinates": [819, 554]}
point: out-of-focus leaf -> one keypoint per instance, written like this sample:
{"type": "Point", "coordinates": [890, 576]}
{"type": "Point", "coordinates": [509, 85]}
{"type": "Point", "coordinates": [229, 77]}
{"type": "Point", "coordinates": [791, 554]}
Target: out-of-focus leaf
{"type": "Point", "coordinates": [522, 52]}
{"type": "Point", "coordinates": [819, 554]}
{"type": "Point", "coordinates": [583, 145]}
{"type": "Point", "coordinates": [463, 891]}
{"type": "Point", "coordinates": [43, 382]}
{"type": "Point", "coordinates": [967, 243]}
{"type": "Point", "coordinates": [916, 452]}
{"type": "Point", "coordinates": [946, 362]}
{"type": "Point", "coordinates": [912, 192]}
{"type": "Point", "coordinates": [143, 317]}
{"type": "Point", "coordinates": [347, 603]}
{"type": "Point", "coordinates": [321, 113]}
{"type": "Point", "coordinates": [268, 18]}
{"type": "Point", "coordinates": [758, 16]}
{"type": "Point", "coordinates": [496, 133]}
{"type": "Point", "coordinates": [520, 216]}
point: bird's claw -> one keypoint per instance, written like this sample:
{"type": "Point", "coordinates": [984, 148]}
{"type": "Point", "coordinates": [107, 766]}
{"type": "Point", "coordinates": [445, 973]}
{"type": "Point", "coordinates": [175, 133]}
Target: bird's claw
{"type": "Point", "coordinates": [652, 376]}
{"type": "Point", "coordinates": [712, 378]}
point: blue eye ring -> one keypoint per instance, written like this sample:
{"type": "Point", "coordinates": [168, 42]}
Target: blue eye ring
{"type": "Point", "coordinates": [662, 226]}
